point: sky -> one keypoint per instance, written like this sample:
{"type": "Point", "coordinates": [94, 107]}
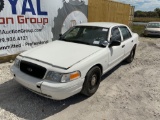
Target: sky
{"type": "Point", "coordinates": [143, 5]}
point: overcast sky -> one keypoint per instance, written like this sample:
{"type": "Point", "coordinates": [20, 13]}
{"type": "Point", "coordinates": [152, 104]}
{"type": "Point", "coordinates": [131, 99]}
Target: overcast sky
{"type": "Point", "coordinates": [143, 5]}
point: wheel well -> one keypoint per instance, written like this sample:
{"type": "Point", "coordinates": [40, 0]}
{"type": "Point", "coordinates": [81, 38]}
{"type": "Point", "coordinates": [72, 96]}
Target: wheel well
{"type": "Point", "coordinates": [135, 46]}
{"type": "Point", "coordinates": [100, 66]}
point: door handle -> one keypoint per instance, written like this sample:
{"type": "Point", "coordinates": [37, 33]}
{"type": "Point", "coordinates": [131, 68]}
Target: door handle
{"type": "Point", "coordinates": [123, 46]}
{"type": "Point", "coordinates": [132, 41]}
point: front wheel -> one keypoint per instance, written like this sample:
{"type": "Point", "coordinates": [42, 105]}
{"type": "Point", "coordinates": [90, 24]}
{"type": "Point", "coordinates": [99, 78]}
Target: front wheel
{"type": "Point", "coordinates": [130, 58]}
{"type": "Point", "coordinates": [92, 81]}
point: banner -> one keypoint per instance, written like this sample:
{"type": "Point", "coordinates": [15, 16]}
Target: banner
{"type": "Point", "coordinates": [25, 24]}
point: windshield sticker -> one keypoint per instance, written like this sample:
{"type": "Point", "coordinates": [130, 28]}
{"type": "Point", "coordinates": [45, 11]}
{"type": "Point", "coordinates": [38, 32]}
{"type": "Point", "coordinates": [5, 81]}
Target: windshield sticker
{"type": "Point", "coordinates": [96, 42]}
{"type": "Point", "coordinates": [106, 30]}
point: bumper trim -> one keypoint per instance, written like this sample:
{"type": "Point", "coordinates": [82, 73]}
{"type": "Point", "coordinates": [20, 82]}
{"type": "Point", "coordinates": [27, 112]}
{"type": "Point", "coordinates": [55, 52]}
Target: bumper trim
{"type": "Point", "coordinates": [46, 88]}
{"type": "Point", "coordinates": [41, 94]}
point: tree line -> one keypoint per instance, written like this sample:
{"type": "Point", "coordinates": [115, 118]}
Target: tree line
{"type": "Point", "coordinates": [155, 13]}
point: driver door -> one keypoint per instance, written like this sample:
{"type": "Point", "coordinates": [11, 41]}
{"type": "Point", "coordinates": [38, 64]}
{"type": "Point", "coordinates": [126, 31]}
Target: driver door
{"type": "Point", "coordinates": [116, 53]}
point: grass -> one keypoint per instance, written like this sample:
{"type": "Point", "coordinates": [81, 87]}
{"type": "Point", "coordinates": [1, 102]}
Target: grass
{"type": "Point", "coordinates": [138, 29]}
{"type": "Point", "coordinates": [145, 19]}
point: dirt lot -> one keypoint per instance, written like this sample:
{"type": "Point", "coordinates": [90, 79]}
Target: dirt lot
{"type": "Point", "coordinates": [128, 92]}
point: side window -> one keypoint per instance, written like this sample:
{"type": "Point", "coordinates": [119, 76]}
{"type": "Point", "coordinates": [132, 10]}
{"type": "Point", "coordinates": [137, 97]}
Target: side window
{"type": "Point", "coordinates": [125, 33]}
{"type": "Point", "coordinates": [115, 34]}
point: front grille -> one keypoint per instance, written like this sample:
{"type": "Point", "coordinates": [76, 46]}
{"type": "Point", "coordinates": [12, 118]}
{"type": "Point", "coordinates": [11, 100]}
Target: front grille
{"type": "Point", "coordinates": [154, 32]}
{"type": "Point", "coordinates": [32, 69]}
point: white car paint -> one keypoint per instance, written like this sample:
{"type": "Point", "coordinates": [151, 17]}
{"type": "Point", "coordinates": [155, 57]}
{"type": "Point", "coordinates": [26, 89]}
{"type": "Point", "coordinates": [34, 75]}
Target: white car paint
{"type": "Point", "coordinates": [67, 57]}
{"type": "Point", "coordinates": [70, 52]}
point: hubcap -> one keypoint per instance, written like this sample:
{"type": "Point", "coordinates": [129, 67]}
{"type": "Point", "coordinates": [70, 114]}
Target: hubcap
{"type": "Point", "coordinates": [94, 80]}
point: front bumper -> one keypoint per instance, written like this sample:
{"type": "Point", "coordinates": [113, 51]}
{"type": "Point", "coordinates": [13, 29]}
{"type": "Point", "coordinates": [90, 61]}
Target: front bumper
{"type": "Point", "coordinates": [152, 33]}
{"type": "Point", "coordinates": [46, 88]}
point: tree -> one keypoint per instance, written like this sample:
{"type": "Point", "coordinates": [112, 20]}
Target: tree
{"type": "Point", "coordinates": [152, 14]}
{"type": "Point", "coordinates": [147, 14]}
{"type": "Point", "coordinates": [157, 10]}
{"type": "Point", "coordinates": [140, 14]}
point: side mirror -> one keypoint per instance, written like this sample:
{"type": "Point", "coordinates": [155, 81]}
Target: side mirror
{"type": "Point", "coordinates": [115, 40]}
{"type": "Point", "coordinates": [115, 43]}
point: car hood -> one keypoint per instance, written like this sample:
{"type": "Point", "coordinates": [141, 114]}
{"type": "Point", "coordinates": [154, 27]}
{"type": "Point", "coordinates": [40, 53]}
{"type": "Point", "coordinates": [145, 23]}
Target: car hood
{"type": "Point", "coordinates": [153, 29]}
{"type": "Point", "coordinates": [61, 54]}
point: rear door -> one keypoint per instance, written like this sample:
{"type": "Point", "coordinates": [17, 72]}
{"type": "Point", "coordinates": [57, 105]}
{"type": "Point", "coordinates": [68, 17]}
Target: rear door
{"type": "Point", "coordinates": [127, 40]}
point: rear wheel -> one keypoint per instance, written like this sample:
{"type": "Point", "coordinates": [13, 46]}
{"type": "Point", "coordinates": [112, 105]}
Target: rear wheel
{"type": "Point", "coordinates": [130, 58]}
{"type": "Point", "coordinates": [92, 81]}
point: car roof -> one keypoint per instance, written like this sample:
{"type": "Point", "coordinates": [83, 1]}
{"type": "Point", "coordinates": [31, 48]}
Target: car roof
{"type": "Point", "coordinates": [101, 24]}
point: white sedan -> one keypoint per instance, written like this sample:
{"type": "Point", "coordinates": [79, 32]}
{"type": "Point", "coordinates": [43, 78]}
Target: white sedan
{"type": "Point", "coordinates": [75, 63]}
{"type": "Point", "coordinates": [152, 28]}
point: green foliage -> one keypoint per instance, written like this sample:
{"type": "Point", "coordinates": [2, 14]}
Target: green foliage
{"type": "Point", "coordinates": [138, 29]}
{"type": "Point", "coordinates": [155, 13]}
{"type": "Point", "coordinates": [157, 10]}
{"type": "Point", "coordinates": [146, 14]}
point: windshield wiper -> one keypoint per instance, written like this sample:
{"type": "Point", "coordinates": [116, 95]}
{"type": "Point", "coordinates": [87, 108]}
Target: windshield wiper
{"type": "Point", "coordinates": [63, 39]}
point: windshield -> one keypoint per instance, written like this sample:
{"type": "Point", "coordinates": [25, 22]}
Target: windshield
{"type": "Point", "coordinates": [153, 25]}
{"type": "Point", "coordinates": [86, 35]}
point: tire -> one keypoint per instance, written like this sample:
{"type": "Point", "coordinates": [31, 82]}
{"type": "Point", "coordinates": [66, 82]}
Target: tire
{"type": "Point", "coordinates": [130, 58]}
{"type": "Point", "coordinates": [92, 81]}
{"type": "Point", "coordinates": [145, 35]}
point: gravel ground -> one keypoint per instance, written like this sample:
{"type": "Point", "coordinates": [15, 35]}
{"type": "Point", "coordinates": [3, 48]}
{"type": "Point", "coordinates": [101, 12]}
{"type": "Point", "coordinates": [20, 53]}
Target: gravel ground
{"type": "Point", "coordinates": [128, 92]}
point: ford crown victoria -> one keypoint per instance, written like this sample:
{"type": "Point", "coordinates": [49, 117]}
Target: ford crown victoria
{"type": "Point", "coordinates": [75, 63]}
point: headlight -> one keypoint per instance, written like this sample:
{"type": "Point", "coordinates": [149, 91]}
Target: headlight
{"type": "Point", "coordinates": [63, 78]}
{"type": "Point", "coordinates": [17, 63]}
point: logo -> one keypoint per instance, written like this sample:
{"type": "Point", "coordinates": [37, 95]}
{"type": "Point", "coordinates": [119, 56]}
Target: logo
{"type": "Point", "coordinates": [30, 69]}
{"type": "Point", "coordinates": [1, 5]}
{"type": "Point", "coordinates": [27, 7]}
